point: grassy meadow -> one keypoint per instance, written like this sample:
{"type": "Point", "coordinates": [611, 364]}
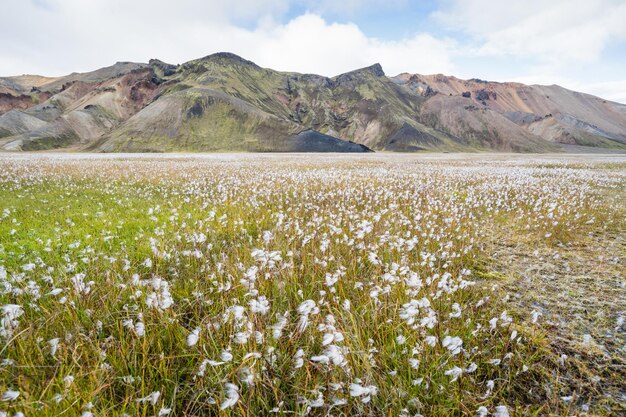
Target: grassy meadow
{"type": "Point", "coordinates": [321, 285]}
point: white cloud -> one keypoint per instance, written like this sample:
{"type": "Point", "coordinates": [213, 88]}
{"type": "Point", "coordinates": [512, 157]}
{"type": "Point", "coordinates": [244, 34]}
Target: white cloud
{"type": "Point", "coordinates": [553, 42]}
{"type": "Point", "coordinates": [75, 35]}
{"type": "Point", "coordinates": [610, 90]}
{"type": "Point", "coordinates": [309, 44]}
{"type": "Point", "coordinates": [558, 32]}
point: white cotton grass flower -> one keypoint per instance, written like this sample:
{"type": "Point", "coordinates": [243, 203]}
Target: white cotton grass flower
{"type": "Point", "coordinates": [10, 395]}
{"type": "Point", "coordinates": [161, 298]}
{"type": "Point", "coordinates": [332, 354]}
{"type": "Point", "coordinates": [456, 311]}
{"type": "Point", "coordinates": [365, 392]}
{"type": "Point", "coordinates": [279, 326]}
{"type": "Point", "coordinates": [490, 385]}
{"type": "Point", "coordinates": [193, 337]}
{"type": "Point", "coordinates": [28, 267]}
{"type": "Point", "coordinates": [471, 368]}
{"type": "Point", "coordinates": [501, 411]}
{"type": "Point", "coordinates": [80, 286]}
{"type": "Point", "coordinates": [68, 381]}
{"type": "Point", "coordinates": [202, 368]}
{"type": "Point", "coordinates": [231, 392]}
{"type": "Point", "coordinates": [332, 337]}
{"type": "Point", "coordinates": [455, 372]}
{"type": "Point", "coordinates": [151, 398]}
{"type": "Point", "coordinates": [535, 315]}
{"type": "Point", "coordinates": [225, 357]}
{"type": "Point", "coordinates": [318, 402]}
{"type": "Point", "coordinates": [298, 359]}
{"type": "Point", "coordinates": [54, 345]}
{"type": "Point", "coordinates": [9, 322]}
{"type": "Point", "coordinates": [259, 306]}
{"type": "Point", "coordinates": [482, 411]}
{"type": "Point", "coordinates": [306, 308]}
{"type": "Point", "coordinates": [453, 344]}
{"type": "Point", "coordinates": [431, 340]}
{"type": "Point", "coordinates": [140, 329]}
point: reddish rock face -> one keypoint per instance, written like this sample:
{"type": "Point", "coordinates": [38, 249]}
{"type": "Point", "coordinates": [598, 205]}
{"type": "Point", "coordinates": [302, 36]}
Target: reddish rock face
{"type": "Point", "coordinates": [140, 87]}
{"type": "Point", "coordinates": [21, 101]}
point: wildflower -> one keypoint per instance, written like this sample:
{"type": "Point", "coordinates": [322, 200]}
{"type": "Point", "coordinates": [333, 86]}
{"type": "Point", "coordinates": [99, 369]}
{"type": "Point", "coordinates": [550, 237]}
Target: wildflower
{"type": "Point", "coordinates": [456, 311]}
{"type": "Point", "coordinates": [453, 344]}
{"type": "Point", "coordinates": [140, 329]}
{"type": "Point", "coordinates": [151, 398]}
{"type": "Point", "coordinates": [535, 316]}
{"type": "Point", "coordinates": [318, 402]}
{"type": "Point", "coordinates": [28, 267]}
{"type": "Point", "coordinates": [277, 329]}
{"type": "Point", "coordinates": [260, 305]}
{"type": "Point", "coordinates": [160, 298]}
{"type": "Point", "coordinates": [490, 386]}
{"type": "Point", "coordinates": [68, 381]}
{"type": "Point", "coordinates": [455, 373]}
{"type": "Point", "coordinates": [482, 411]}
{"type": "Point", "coordinates": [358, 390]}
{"type": "Point", "coordinates": [298, 359]}
{"type": "Point", "coordinates": [54, 345]}
{"type": "Point", "coordinates": [304, 309]}
{"type": "Point", "coordinates": [501, 411]}
{"type": "Point", "coordinates": [232, 396]}
{"type": "Point", "coordinates": [9, 322]}
{"type": "Point", "coordinates": [192, 338]}
{"type": "Point", "coordinates": [80, 286]}
{"type": "Point", "coordinates": [431, 340]}
{"type": "Point", "coordinates": [10, 395]}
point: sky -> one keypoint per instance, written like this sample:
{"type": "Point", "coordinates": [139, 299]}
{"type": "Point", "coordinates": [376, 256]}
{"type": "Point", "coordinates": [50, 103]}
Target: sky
{"type": "Point", "coordinates": [579, 44]}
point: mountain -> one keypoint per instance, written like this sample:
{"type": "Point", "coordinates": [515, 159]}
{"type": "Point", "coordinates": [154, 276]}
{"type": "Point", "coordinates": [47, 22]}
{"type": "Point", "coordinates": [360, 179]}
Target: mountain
{"type": "Point", "coordinates": [223, 102]}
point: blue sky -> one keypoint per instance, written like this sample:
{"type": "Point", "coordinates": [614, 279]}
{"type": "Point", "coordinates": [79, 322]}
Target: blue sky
{"type": "Point", "coordinates": [579, 44]}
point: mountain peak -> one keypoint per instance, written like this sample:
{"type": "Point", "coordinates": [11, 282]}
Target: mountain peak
{"type": "Point", "coordinates": [360, 74]}
{"type": "Point", "coordinates": [376, 69]}
{"type": "Point", "coordinates": [229, 57]}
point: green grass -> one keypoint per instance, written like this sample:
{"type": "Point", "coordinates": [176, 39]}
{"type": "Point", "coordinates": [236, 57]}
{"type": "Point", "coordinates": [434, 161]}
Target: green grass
{"type": "Point", "coordinates": [199, 222]}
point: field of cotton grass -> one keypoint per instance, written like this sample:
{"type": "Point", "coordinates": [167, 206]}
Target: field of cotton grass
{"type": "Point", "coordinates": [256, 285]}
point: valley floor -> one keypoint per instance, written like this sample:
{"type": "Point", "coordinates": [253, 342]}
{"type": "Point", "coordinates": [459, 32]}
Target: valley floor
{"type": "Point", "coordinates": [312, 284]}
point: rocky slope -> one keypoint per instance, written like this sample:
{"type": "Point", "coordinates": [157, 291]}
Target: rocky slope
{"type": "Point", "coordinates": [225, 103]}
{"type": "Point", "coordinates": [552, 113]}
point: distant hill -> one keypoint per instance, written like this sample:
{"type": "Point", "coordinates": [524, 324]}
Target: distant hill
{"type": "Point", "coordinates": [223, 102]}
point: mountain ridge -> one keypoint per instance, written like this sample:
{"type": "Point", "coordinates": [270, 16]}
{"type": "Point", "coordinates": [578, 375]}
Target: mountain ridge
{"type": "Point", "coordinates": [223, 102]}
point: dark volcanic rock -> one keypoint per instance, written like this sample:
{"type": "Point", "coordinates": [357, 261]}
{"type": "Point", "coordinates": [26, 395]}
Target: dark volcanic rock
{"type": "Point", "coordinates": [313, 141]}
{"type": "Point", "coordinates": [166, 69]}
{"type": "Point", "coordinates": [482, 95]}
